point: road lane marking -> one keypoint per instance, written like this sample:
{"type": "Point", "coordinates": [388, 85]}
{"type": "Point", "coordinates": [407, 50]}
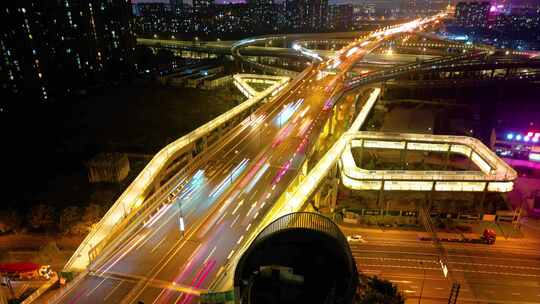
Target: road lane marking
{"type": "Point", "coordinates": [218, 221]}
{"type": "Point", "coordinates": [157, 245]}
{"type": "Point", "coordinates": [211, 252]}
{"type": "Point", "coordinates": [237, 206]}
{"type": "Point", "coordinates": [112, 291]}
{"type": "Point", "coordinates": [220, 149]}
{"type": "Point", "coordinates": [94, 289]}
{"type": "Point", "coordinates": [240, 240]}
{"type": "Point", "coordinates": [124, 253]}
{"type": "Point", "coordinates": [251, 208]}
{"type": "Point", "coordinates": [235, 220]}
{"type": "Point", "coordinates": [256, 215]}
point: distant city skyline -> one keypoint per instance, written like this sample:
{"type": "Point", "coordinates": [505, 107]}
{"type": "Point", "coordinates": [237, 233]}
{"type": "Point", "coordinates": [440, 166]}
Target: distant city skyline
{"type": "Point", "coordinates": [533, 2]}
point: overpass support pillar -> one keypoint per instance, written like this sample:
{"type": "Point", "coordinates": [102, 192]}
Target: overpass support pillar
{"type": "Point", "coordinates": [470, 161]}
{"type": "Point", "coordinates": [383, 90]}
{"type": "Point", "coordinates": [205, 143]}
{"type": "Point", "coordinates": [333, 121]}
{"type": "Point", "coordinates": [483, 198]}
{"type": "Point", "coordinates": [403, 157]}
{"type": "Point", "coordinates": [380, 196]}
{"type": "Point", "coordinates": [317, 199]}
{"type": "Point", "coordinates": [333, 198]}
{"type": "Point", "coordinates": [356, 108]}
{"type": "Point", "coordinates": [447, 158]}
{"type": "Point", "coordinates": [361, 155]}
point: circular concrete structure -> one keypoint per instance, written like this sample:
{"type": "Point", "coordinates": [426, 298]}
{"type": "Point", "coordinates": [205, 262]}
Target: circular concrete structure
{"type": "Point", "coordinates": [299, 258]}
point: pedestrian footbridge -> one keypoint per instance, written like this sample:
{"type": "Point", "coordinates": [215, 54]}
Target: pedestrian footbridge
{"type": "Point", "coordinates": [494, 174]}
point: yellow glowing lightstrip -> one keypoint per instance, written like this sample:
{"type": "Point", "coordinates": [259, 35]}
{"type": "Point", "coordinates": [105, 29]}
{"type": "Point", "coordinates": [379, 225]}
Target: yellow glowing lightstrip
{"type": "Point", "coordinates": [492, 167]}
{"type": "Point", "coordinates": [408, 185]}
{"type": "Point", "coordinates": [380, 144]}
{"type": "Point", "coordinates": [500, 186]}
{"type": "Point", "coordinates": [312, 180]}
{"type": "Point", "coordinates": [132, 198]}
{"type": "Point", "coordinates": [427, 147]}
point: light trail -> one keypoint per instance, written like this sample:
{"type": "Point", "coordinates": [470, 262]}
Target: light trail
{"type": "Point", "coordinates": [256, 178]}
{"type": "Point", "coordinates": [162, 210]}
{"type": "Point", "coordinates": [228, 179]}
{"type": "Point", "coordinates": [287, 111]}
{"type": "Point", "coordinates": [252, 172]}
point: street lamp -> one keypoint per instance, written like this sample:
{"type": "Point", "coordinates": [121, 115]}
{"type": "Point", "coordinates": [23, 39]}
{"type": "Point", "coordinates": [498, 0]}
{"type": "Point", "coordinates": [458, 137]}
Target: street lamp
{"type": "Point", "coordinates": [181, 224]}
{"type": "Point", "coordinates": [423, 280]}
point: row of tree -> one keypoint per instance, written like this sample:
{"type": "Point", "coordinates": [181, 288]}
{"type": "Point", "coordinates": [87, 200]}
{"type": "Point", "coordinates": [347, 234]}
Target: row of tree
{"type": "Point", "coordinates": [71, 220]}
{"type": "Point", "coordinates": [375, 290]}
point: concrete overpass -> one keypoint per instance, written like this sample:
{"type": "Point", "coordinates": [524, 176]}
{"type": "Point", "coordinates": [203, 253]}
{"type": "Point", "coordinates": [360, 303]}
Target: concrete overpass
{"type": "Point", "coordinates": [173, 241]}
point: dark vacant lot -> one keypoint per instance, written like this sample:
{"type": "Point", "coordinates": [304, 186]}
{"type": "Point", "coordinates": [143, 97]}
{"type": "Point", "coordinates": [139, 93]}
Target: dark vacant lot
{"type": "Point", "coordinates": [48, 149]}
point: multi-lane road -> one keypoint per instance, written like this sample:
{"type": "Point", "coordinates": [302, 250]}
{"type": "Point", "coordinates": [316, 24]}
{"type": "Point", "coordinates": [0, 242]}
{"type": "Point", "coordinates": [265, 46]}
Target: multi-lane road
{"type": "Point", "coordinates": [184, 245]}
{"type": "Point", "coordinates": [235, 185]}
{"type": "Point", "coordinates": [507, 272]}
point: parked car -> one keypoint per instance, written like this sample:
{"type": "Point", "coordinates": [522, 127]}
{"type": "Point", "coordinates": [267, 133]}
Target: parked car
{"type": "Point", "coordinates": [355, 238]}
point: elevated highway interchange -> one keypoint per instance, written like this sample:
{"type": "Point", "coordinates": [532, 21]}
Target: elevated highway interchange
{"type": "Point", "coordinates": [185, 242]}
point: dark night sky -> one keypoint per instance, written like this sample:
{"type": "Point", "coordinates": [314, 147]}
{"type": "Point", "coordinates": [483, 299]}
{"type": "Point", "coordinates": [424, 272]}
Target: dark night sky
{"type": "Point", "coordinates": [537, 2]}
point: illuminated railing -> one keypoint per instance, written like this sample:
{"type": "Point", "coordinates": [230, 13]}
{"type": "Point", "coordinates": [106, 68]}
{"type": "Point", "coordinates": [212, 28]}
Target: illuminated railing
{"type": "Point", "coordinates": [295, 197]}
{"type": "Point", "coordinates": [494, 175]}
{"type": "Point", "coordinates": [294, 201]}
{"type": "Point", "coordinates": [241, 81]}
{"type": "Point", "coordinates": [237, 46]}
{"type": "Point", "coordinates": [428, 65]}
{"type": "Point", "coordinates": [133, 197]}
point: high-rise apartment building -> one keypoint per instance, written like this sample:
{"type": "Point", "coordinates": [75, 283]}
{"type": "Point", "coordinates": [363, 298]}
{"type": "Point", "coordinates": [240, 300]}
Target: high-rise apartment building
{"type": "Point", "coordinates": [262, 13]}
{"type": "Point", "coordinates": [340, 17]}
{"type": "Point", "coordinates": [472, 14]}
{"type": "Point", "coordinates": [51, 49]}
{"type": "Point", "coordinates": [310, 15]}
{"type": "Point", "coordinates": [203, 6]}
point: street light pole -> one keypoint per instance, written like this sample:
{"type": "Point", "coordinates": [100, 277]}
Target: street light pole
{"type": "Point", "coordinates": [423, 280]}
{"type": "Point", "coordinates": [181, 219]}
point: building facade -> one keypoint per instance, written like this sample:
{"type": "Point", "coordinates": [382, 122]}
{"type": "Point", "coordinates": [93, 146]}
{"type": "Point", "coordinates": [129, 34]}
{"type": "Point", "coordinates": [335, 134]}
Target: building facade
{"type": "Point", "coordinates": [51, 49]}
{"type": "Point", "coordinates": [340, 17]}
{"type": "Point", "coordinates": [472, 14]}
{"type": "Point", "coordinates": [307, 15]}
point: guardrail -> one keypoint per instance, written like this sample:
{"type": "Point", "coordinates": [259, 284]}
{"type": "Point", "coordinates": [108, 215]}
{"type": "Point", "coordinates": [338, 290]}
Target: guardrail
{"type": "Point", "coordinates": [291, 201]}
{"type": "Point", "coordinates": [241, 82]}
{"type": "Point", "coordinates": [392, 72]}
{"type": "Point", "coordinates": [303, 220]}
{"type": "Point", "coordinates": [235, 49]}
{"type": "Point", "coordinates": [42, 289]}
{"type": "Point", "coordinates": [133, 198]}
{"type": "Point", "coordinates": [495, 174]}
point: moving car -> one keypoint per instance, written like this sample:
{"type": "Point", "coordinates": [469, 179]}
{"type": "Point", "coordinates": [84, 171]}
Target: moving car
{"type": "Point", "coordinates": [355, 238]}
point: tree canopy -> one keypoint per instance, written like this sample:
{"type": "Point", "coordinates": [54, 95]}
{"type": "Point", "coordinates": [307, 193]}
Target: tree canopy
{"type": "Point", "coordinates": [380, 291]}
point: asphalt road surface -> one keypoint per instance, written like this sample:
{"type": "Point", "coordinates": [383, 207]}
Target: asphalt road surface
{"type": "Point", "coordinates": [499, 273]}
